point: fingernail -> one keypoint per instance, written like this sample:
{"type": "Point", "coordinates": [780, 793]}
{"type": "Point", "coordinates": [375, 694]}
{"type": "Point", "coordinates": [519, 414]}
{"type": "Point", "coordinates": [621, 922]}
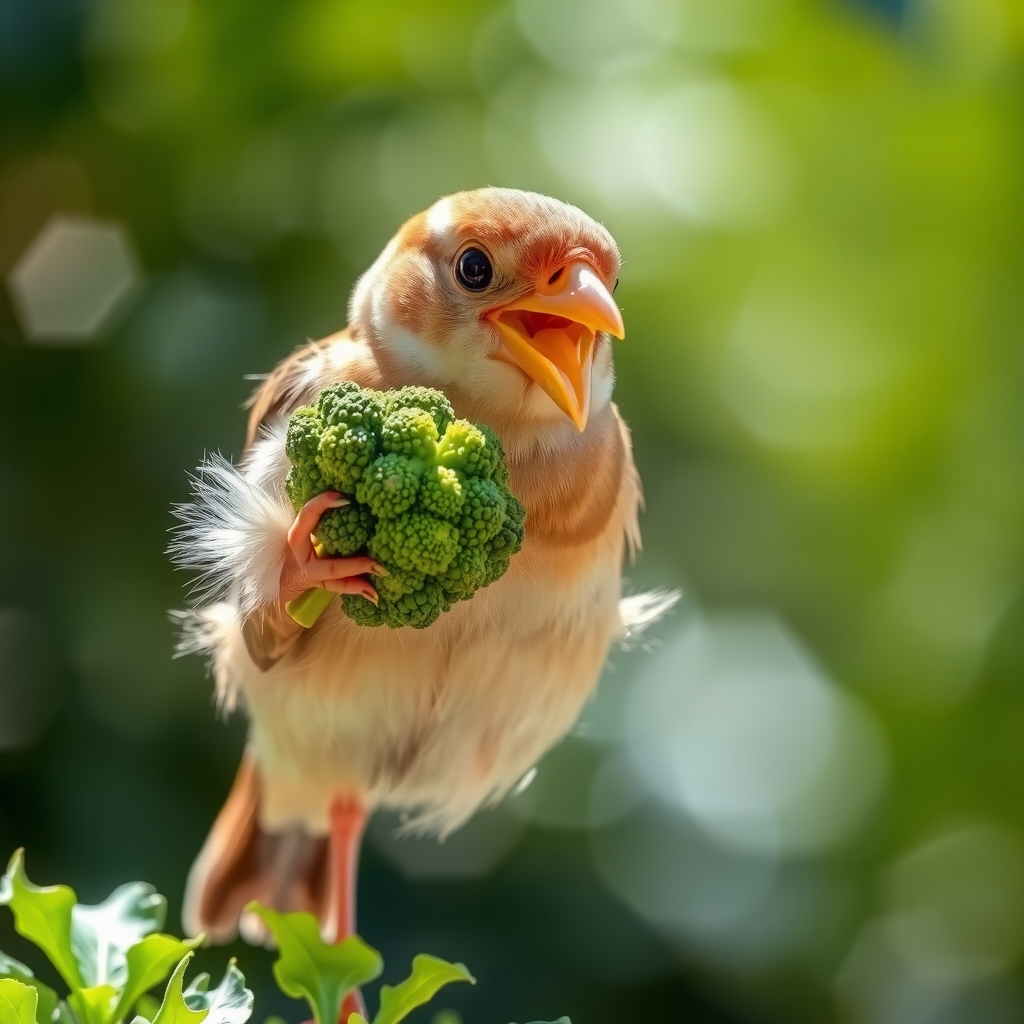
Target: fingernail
{"type": "Point", "coordinates": [372, 596]}
{"type": "Point", "coordinates": [338, 502]}
{"type": "Point", "coordinates": [380, 570]}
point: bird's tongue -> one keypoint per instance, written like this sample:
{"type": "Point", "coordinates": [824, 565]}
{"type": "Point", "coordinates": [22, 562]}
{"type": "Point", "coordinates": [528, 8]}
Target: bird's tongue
{"type": "Point", "coordinates": [565, 354]}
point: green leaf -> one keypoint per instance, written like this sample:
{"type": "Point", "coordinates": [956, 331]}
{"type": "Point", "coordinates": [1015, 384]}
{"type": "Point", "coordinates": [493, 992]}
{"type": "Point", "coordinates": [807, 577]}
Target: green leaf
{"type": "Point", "coordinates": [93, 1005]}
{"type": "Point", "coordinates": [356, 1018]}
{"type": "Point", "coordinates": [561, 1020]}
{"type": "Point", "coordinates": [17, 1002]}
{"type": "Point", "coordinates": [174, 1009]}
{"type": "Point", "coordinates": [43, 916]}
{"type": "Point", "coordinates": [148, 962]}
{"type": "Point", "coordinates": [308, 968]}
{"type": "Point", "coordinates": [229, 1003]}
{"type": "Point", "coordinates": [101, 935]}
{"type": "Point", "coordinates": [11, 968]}
{"type": "Point", "coordinates": [429, 975]}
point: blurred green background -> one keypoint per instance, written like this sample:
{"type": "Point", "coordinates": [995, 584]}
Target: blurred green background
{"type": "Point", "coordinates": [801, 799]}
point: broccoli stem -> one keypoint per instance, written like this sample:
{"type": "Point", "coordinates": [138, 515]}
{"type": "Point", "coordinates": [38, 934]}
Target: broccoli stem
{"type": "Point", "coordinates": [308, 607]}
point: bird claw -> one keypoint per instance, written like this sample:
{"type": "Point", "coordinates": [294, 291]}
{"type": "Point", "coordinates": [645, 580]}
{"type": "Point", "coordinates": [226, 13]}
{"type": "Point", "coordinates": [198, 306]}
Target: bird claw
{"type": "Point", "coordinates": [306, 570]}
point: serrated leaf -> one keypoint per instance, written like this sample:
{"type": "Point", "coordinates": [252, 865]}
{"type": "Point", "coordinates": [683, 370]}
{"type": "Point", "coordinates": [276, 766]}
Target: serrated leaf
{"type": "Point", "coordinates": [174, 1009]}
{"type": "Point", "coordinates": [101, 935]}
{"type": "Point", "coordinates": [17, 1002]}
{"type": "Point", "coordinates": [148, 962]}
{"type": "Point", "coordinates": [229, 1003]}
{"type": "Point", "coordinates": [43, 915]}
{"type": "Point", "coordinates": [308, 968]}
{"type": "Point", "coordinates": [11, 968]}
{"type": "Point", "coordinates": [93, 1005]}
{"type": "Point", "coordinates": [429, 975]}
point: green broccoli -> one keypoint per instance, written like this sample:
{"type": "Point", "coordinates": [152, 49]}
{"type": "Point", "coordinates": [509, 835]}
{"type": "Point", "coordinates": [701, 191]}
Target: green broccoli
{"type": "Point", "coordinates": [442, 492]}
{"type": "Point", "coordinates": [429, 495]}
{"type": "Point", "coordinates": [466, 572]}
{"type": "Point", "coordinates": [432, 401]}
{"type": "Point", "coordinates": [483, 511]}
{"type": "Point", "coordinates": [390, 485]}
{"type": "Point", "coordinates": [345, 531]}
{"type": "Point", "coordinates": [410, 432]}
{"type": "Point", "coordinates": [465, 446]}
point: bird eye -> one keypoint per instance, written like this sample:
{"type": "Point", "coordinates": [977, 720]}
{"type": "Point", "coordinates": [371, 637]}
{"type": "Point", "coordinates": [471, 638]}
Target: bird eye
{"type": "Point", "coordinates": [474, 270]}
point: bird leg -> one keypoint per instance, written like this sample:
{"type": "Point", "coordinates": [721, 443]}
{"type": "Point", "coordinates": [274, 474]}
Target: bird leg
{"type": "Point", "coordinates": [348, 818]}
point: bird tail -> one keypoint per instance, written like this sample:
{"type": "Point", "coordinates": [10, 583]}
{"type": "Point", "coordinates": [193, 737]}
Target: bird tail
{"type": "Point", "coordinates": [240, 862]}
{"type": "Point", "coordinates": [638, 611]}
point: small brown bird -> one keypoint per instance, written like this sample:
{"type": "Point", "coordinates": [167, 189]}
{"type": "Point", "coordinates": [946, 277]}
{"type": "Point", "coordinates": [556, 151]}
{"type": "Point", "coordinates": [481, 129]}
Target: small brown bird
{"type": "Point", "coordinates": [503, 300]}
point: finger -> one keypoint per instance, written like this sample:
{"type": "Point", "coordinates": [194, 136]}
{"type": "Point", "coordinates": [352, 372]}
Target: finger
{"type": "Point", "coordinates": [321, 569]}
{"type": "Point", "coordinates": [352, 585]}
{"type": "Point", "coordinates": [305, 523]}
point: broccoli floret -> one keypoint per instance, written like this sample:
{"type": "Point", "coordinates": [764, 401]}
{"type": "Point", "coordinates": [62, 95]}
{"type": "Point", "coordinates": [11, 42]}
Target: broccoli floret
{"type": "Point", "coordinates": [390, 485]}
{"type": "Point", "coordinates": [304, 481]}
{"type": "Point", "coordinates": [348, 405]}
{"type": "Point", "coordinates": [466, 574]}
{"type": "Point", "coordinates": [396, 584]}
{"type": "Point", "coordinates": [421, 398]}
{"type": "Point", "coordinates": [496, 568]}
{"type": "Point", "coordinates": [483, 511]}
{"type": "Point", "coordinates": [345, 531]}
{"type": "Point", "coordinates": [303, 437]}
{"type": "Point", "coordinates": [362, 611]}
{"type": "Point", "coordinates": [466, 447]}
{"type": "Point", "coordinates": [344, 454]}
{"type": "Point", "coordinates": [430, 497]}
{"type": "Point", "coordinates": [441, 492]}
{"type": "Point", "coordinates": [415, 540]}
{"type": "Point", "coordinates": [410, 432]}
{"type": "Point", "coordinates": [420, 608]}
{"type": "Point", "coordinates": [509, 539]}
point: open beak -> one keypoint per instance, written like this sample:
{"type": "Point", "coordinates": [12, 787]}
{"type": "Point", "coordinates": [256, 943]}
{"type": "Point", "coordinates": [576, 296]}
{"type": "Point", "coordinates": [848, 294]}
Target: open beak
{"type": "Point", "coordinates": [550, 333]}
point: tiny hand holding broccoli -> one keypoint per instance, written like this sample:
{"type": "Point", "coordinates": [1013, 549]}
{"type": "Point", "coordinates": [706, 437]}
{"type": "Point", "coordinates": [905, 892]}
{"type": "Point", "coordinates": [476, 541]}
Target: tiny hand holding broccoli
{"type": "Point", "coordinates": [429, 498]}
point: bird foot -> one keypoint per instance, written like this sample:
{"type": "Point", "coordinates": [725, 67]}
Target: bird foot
{"type": "Point", "coordinates": [305, 570]}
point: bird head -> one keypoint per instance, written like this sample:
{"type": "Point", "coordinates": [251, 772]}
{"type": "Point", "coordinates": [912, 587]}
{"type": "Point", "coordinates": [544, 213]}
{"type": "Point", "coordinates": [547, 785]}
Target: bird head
{"type": "Point", "coordinates": [503, 296]}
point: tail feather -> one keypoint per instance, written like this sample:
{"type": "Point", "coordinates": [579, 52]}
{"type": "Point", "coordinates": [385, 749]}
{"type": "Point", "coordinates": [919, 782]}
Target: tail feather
{"type": "Point", "coordinates": [638, 611]}
{"type": "Point", "coordinates": [240, 862]}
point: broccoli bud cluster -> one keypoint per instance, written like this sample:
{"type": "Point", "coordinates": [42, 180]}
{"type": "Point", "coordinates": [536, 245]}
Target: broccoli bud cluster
{"type": "Point", "coordinates": [429, 497]}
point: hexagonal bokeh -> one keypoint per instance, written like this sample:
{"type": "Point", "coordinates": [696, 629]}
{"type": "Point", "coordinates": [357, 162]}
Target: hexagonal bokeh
{"type": "Point", "coordinates": [73, 277]}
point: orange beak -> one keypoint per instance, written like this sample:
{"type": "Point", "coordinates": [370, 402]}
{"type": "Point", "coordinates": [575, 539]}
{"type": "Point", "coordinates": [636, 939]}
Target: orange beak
{"type": "Point", "coordinates": [550, 333]}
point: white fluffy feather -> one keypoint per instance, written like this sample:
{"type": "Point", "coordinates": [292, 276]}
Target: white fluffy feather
{"type": "Point", "coordinates": [234, 532]}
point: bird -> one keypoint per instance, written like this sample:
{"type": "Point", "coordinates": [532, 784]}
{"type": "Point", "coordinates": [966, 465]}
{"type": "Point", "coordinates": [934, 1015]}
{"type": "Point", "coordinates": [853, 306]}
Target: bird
{"type": "Point", "coordinates": [503, 300]}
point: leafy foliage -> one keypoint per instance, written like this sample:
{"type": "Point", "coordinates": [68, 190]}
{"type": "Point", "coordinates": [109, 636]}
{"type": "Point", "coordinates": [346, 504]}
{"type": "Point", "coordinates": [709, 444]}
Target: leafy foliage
{"type": "Point", "coordinates": [110, 955]}
{"type": "Point", "coordinates": [17, 1002]}
{"type": "Point", "coordinates": [429, 974]}
{"type": "Point", "coordinates": [308, 968]}
{"type": "Point", "coordinates": [323, 974]}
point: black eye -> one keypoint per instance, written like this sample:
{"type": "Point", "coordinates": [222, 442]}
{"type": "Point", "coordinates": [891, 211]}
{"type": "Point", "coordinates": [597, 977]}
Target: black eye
{"type": "Point", "coordinates": [474, 270]}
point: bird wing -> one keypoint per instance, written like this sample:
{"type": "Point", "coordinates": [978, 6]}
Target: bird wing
{"type": "Point", "coordinates": [631, 496]}
{"type": "Point", "coordinates": [300, 376]}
